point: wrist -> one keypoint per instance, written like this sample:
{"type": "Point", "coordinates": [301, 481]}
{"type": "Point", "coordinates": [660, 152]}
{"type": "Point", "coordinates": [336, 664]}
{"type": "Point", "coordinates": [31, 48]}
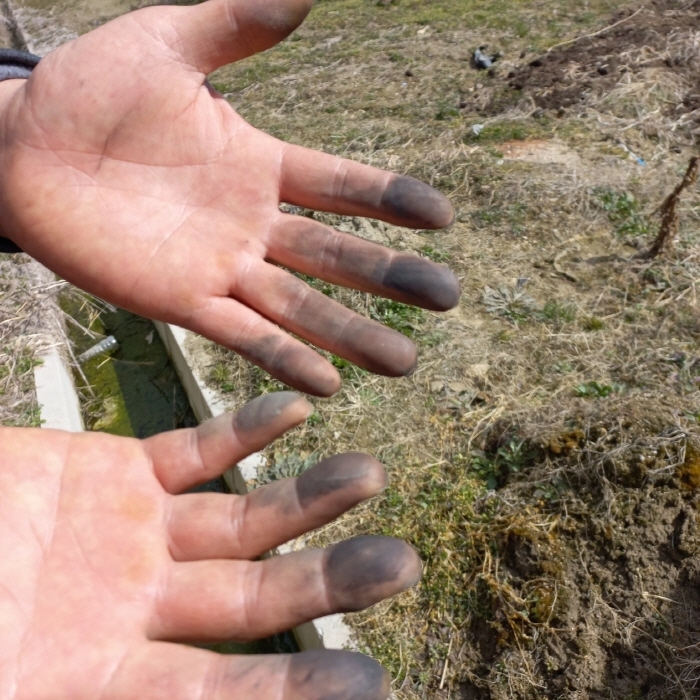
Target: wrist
{"type": "Point", "coordinates": [15, 68]}
{"type": "Point", "coordinates": [8, 88]}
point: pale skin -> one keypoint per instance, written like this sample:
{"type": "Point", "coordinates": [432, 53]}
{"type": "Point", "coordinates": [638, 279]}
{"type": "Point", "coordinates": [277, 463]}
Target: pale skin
{"type": "Point", "coordinates": [105, 566]}
{"type": "Point", "coordinates": [123, 171]}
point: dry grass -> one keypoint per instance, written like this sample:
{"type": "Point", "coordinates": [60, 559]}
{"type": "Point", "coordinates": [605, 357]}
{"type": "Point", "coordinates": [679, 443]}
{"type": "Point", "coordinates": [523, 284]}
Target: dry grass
{"type": "Point", "coordinates": [29, 323]}
{"type": "Point", "coordinates": [535, 433]}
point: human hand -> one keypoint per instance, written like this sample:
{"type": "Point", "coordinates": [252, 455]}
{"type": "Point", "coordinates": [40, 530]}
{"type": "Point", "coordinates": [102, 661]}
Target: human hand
{"type": "Point", "coordinates": [104, 566]}
{"type": "Point", "coordinates": [127, 174]}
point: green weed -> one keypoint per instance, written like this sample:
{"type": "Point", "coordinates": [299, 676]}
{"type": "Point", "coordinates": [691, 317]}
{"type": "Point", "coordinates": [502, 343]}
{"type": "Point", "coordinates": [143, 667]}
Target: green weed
{"type": "Point", "coordinates": [519, 130]}
{"type": "Point", "coordinates": [432, 339]}
{"type": "Point", "coordinates": [592, 324]}
{"type": "Point", "coordinates": [557, 313]}
{"type": "Point", "coordinates": [220, 376]}
{"type": "Point", "coordinates": [438, 256]}
{"type": "Point", "coordinates": [446, 112]}
{"type": "Point", "coordinates": [594, 390]}
{"type": "Point", "coordinates": [284, 465]}
{"type": "Point", "coordinates": [495, 470]}
{"type": "Point", "coordinates": [401, 317]}
{"type": "Point", "coordinates": [510, 303]}
{"type": "Point", "coordinates": [624, 211]}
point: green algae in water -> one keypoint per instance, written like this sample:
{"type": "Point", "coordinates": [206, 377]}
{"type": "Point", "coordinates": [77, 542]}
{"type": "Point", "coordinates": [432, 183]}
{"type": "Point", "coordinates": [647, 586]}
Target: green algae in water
{"type": "Point", "coordinates": [138, 393]}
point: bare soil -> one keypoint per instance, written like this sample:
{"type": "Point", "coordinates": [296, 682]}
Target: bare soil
{"type": "Point", "coordinates": [566, 76]}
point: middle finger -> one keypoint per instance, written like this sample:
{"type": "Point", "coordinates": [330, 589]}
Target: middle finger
{"type": "Point", "coordinates": [256, 599]}
{"type": "Point", "coordinates": [218, 526]}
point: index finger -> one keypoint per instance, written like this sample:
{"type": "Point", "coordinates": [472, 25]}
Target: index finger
{"type": "Point", "coordinates": [309, 247]}
{"type": "Point", "coordinates": [328, 183]}
{"type": "Point", "coordinates": [184, 458]}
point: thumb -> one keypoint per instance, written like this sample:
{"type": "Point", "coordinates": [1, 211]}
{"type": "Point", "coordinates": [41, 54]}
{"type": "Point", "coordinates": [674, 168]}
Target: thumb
{"type": "Point", "coordinates": [218, 32]}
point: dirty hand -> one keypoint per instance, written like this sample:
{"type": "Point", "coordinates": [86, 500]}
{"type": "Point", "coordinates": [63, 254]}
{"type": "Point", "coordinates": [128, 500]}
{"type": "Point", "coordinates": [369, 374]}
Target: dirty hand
{"type": "Point", "coordinates": [123, 171]}
{"type": "Point", "coordinates": [105, 566]}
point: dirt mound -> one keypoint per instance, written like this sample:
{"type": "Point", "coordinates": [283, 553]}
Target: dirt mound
{"type": "Point", "coordinates": [565, 76]}
{"type": "Point", "coordinates": [609, 594]}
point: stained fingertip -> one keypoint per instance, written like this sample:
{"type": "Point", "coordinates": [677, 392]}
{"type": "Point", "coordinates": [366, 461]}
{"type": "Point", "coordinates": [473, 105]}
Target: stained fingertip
{"type": "Point", "coordinates": [274, 20]}
{"type": "Point", "coordinates": [358, 476]}
{"type": "Point", "coordinates": [418, 204]}
{"type": "Point", "coordinates": [294, 364]}
{"type": "Point", "coordinates": [378, 349]}
{"type": "Point", "coordinates": [364, 570]}
{"type": "Point", "coordinates": [336, 675]}
{"type": "Point", "coordinates": [324, 384]}
{"type": "Point", "coordinates": [397, 358]}
{"type": "Point", "coordinates": [263, 411]}
{"type": "Point", "coordinates": [431, 286]}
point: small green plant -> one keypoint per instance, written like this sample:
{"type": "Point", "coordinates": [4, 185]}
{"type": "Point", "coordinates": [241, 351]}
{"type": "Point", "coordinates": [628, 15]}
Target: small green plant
{"type": "Point", "coordinates": [438, 256]}
{"type": "Point", "coordinates": [319, 285]}
{"type": "Point", "coordinates": [315, 418]}
{"type": "Point", "coordinates": [446, 112]}
{"type": "Point", "coordinates": [549, 491]}
{"type": "Point", "coordinates": [433, 338]}
{"type": "Point", "coordinates": [592, 324]}
{"type": "Point", "coordinates": [597, 390]}
{"type": "Point", "coordinates": [220, 376]}
{"type": "Point", "coordinates": [287, 466]}
{"type": "Point", "coordinates": [502, 131]}
{"type": "Point", "coordinates": [340, 362]}
{"type": "Point", "coordinates": [623, 210]}
{"type": "Point", "coordinates": [496, 469]}
{"type": "Point", "coordinates": [656, 279]}
{"type": "Point", "coordinates": [513, 217]}
{"type": "Point", "coordinates": [557, 313]}
{"type": "Point", "coordinates": [265, 384]}
{"type": "Point", "coordinates": [694, 416]}
{"type": "Point", "coordinates": [401, 317]}
{"type": "Point", "coordinates": [511, 303]}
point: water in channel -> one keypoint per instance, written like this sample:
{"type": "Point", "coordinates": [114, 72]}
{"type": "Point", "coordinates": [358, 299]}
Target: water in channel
{"type": "Point", "coordinates": [134, 391]}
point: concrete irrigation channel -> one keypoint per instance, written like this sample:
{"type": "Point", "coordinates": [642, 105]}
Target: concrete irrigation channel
{"type": "Point", "coordinates": [148, 383]}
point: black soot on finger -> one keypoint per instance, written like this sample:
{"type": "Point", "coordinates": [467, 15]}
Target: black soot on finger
{"type": "Point", "coordinates": [379, 349]}
{"type": "Point", "coordinates": [417, 204]}
{"type": "Point", "coordinates": [424, 283]}
{"type": "Point", "coordinates": [335, 675]}
{"type": "Point", "coordinates": [263, 410]}
{"type": "Point", "coordinates": [266, 24]}
{"type": "Point", "coordinates": [339, 473]}
{"type": "Point", "coordinates": [364, 570]}
{"type": "Point", "coordinates": [297, 366]}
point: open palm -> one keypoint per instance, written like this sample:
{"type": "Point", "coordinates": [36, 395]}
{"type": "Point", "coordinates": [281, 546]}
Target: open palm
{"type": "Point", "coordinates": [127, 174]}
{"type": "Point", "coordinates": [104, 567]}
